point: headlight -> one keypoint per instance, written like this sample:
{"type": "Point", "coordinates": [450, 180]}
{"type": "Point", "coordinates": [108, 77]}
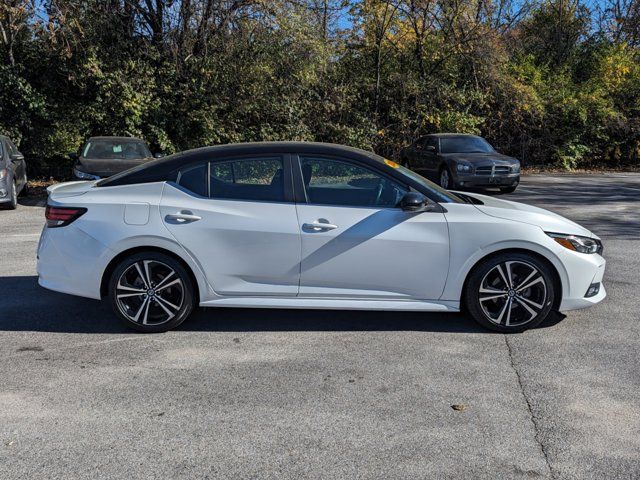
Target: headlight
{"type": "Point", "coordinates": [515, 168]}
{"type": "Point", "coordinates": [3, 173]}
{"type": "Point", "coordinates": [84, 176]}
{"type": "Point", "coordinates": [464, 168]}
{"type": "Point", "coordinates": [577, 243]}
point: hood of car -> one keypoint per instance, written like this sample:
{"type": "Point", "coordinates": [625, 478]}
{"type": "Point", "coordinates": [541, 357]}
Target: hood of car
{"type": "Point", "coordinates": [519, 212]}
{"type": "Point", "coordinates": [105, 167]}
{"type": "Point", "coordinates": [481, 159]}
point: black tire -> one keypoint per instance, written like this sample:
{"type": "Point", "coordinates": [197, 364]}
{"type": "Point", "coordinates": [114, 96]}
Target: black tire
{"type": "Point", "coordinates": [12, 204]}
{"type": "Point", "coordinates": [508, 189]}
{"type": "Point", "coordinates": [126, 282]}
{"type": "Point", "coordinates": [490, 307]}
{"type": "Point", "coordinates": [25, 190]}
{"type": "Point", "coordinates": [445, 181]}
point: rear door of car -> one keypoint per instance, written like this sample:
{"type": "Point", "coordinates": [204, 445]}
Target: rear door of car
{"type": "Point", "coordinates": [237, 218]}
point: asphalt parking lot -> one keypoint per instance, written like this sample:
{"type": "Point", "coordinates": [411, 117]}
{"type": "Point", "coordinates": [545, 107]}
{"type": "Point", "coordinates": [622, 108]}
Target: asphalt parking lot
{"type": "Point", "coordinates": [240, 393]}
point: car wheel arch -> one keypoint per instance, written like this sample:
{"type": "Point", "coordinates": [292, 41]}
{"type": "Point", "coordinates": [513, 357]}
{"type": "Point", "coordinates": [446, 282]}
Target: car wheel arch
{"type": "Point", "coordinates": [113, 263]}
{"type": "Point", "coordinates": [559, 284]}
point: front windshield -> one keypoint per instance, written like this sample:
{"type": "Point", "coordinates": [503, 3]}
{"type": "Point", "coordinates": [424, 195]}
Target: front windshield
{"type": "Point", "coordinates": [441, 194]}
{"type": "Point", "coordinates": [116, 149]}
{"type": "Point", "coordinates": [466, 144]}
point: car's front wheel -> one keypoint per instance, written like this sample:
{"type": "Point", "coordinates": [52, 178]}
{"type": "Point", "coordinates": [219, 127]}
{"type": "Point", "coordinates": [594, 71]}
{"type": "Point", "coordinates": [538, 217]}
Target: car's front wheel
{"type": "Point", "coordinates": [510, 292]}
{"type": "Point", "coordinates": [12, 204]}
{"type": "Point", "coordinates": [151, 292]}
{"type": "Point", "coordinates": [446, 181]}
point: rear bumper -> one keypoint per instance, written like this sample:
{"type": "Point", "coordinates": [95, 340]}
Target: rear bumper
{"type": "Point", "coordinates": [486, 181]}
{"type": "Point", "coordinates": [70, 261]}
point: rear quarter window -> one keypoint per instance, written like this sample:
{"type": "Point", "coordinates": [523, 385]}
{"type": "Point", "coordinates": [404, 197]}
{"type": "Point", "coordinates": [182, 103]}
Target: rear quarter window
{"type": "Point", "coordinates": [194, 179]}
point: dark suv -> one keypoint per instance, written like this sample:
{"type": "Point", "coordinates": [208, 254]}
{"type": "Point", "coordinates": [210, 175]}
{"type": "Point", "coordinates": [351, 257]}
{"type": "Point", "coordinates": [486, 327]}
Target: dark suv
{"type": "Point", "coordinates": [461, 161]}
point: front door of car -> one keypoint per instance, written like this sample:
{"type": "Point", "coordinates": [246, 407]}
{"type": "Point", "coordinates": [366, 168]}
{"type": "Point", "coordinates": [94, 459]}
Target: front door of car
{"type": "Point", "coordinates": [431, 155]}
{"type": "Point", "coordinates": [357, 243]}
{"type": "Point", "coordinates": [237, 219]}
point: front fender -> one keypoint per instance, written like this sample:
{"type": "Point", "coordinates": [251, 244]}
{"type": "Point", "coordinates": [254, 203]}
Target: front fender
{"type": "Point", "coordinates": [472, 239]}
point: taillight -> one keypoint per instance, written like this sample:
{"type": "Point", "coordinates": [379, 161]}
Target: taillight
{"type": "Point", "coordinates": [61, 216]}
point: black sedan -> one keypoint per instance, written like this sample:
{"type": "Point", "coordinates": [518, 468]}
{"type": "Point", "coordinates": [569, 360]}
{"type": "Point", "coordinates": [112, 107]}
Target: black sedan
{"type": "Point", "coordinates": [105, 156]}
{"type": "Point", "coordinates": [462, 161]}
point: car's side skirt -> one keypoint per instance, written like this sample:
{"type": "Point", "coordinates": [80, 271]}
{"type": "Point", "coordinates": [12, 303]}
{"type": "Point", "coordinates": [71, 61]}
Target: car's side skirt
{"type": "Point", "coordinates": [334, 304]}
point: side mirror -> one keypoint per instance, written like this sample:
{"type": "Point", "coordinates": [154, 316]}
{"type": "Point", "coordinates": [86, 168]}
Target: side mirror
{"type": "Point", "coordinates": [414, 202]}
{"type": "Point", "coordinates": [73, 156]}
{"type": "Point", "coordinates": [158, 155]}
{"type": "Point", "coordinates": [17, 157]}
{"type": "Point", "coordinates": [430, 149]}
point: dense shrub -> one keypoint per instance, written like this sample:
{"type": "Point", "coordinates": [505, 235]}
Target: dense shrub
{"type": "Point", "coordinates": [544, 81]}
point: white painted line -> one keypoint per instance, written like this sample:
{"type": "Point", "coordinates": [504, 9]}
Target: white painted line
{"type": "Point", "coordinates": [30, 235]}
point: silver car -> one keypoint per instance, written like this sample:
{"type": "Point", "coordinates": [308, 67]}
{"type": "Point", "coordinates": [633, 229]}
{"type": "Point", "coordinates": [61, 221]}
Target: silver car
{"type": "Point", "coordinates": [13, 174]}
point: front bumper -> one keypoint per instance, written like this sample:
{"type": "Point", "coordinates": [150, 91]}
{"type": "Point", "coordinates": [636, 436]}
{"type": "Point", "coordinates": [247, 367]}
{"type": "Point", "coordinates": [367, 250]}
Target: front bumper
{"type": "Point", "coordinates": [583, 270]}
{"type": "Point", "coordinates": [5, 189]}
{"type": "Point", "coordinates": [486, 181]}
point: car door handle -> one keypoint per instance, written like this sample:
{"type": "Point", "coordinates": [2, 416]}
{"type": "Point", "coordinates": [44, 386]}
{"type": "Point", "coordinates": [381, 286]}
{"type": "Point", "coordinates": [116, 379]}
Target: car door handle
{"type": "Point", "coordinates": [182, 217]}
{"type": "Point", "coordinates": [319, 226]}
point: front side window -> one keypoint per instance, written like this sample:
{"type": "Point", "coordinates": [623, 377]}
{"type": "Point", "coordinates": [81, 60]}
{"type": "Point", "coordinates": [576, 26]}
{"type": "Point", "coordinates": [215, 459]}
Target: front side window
{"type": "Point", "coordinates": [432, 142]}
{"type": "Point", "coordinates": [336, 182]}
{"type": "Point", "coordinates": [253, 179]}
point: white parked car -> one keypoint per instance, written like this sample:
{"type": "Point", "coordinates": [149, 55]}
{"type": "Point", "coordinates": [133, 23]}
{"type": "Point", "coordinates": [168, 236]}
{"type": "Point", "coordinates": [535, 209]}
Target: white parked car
{"type": "Point", "coordinates": [308, 225]}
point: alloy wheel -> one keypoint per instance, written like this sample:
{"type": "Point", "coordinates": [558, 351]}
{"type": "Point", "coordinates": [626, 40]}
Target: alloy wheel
{"type": "Point", "coordinates": [149, 292]}
{"type": "Point", "coordinates": [512, 293]}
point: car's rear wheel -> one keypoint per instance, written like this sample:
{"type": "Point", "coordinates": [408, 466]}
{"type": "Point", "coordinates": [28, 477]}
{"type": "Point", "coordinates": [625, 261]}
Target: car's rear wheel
{"type": "Point", "coordinates": [510, 292]}
{"type": "Point", "coordinates": [151, 292]}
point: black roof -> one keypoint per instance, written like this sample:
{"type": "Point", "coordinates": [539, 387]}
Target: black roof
{"type": "Point", "coordinates": [160, 169]}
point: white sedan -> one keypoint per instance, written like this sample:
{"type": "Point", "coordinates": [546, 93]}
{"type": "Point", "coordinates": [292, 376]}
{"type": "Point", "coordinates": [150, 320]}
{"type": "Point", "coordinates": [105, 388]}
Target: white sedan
{"type": "Point", "coordinates": [308, 225]}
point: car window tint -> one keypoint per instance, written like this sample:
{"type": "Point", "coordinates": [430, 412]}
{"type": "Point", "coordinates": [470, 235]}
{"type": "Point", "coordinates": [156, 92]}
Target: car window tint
{"type": "Point", "coordinates": [194, 179]}
{"type": "Point", "coordinates": [431, 142]}
{"type": "Point", "coordinates": [258, 179]}
{"type": "Point", "coordinates": [335, 182]}
{"type": "Point", "coordinates": [11, 148]}
{"type": "Point", "coordinates": [116, 149]}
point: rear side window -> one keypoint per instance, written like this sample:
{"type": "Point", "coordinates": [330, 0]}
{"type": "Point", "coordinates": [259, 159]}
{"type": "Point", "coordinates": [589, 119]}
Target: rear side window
{"type": "Point", "coordinates": [194, 179]}
{"type": "Point", "coordinates": [253, 179]}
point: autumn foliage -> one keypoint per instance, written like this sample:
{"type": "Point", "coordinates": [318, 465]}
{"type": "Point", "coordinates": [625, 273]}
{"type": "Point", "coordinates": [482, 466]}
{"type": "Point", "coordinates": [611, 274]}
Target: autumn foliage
{"type": "Point", "coordinates": [554, 83]}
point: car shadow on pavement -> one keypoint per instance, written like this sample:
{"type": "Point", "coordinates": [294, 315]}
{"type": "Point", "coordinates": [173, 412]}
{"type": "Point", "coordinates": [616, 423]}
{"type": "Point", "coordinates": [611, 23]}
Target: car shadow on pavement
{"type": "Point", "coordinates": [30, 307]}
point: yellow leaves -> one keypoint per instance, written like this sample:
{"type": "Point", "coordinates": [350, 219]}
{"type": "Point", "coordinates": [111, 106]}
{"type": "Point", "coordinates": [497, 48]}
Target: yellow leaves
{"type": "Point", "coordinates": [617, 67]}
